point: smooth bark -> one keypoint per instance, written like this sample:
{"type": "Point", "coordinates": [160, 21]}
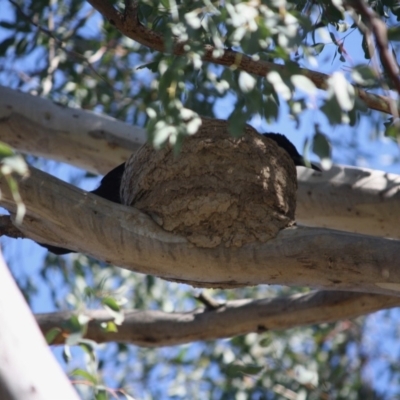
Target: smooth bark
{"type": "Point", "coordinates": [239, 317]}
{"type": "Point", "coordinates": [28, 370]}
{"type": "Point", "coordinates": [60, 214]}
{"type": "Point", "coordinates": [37, 126]}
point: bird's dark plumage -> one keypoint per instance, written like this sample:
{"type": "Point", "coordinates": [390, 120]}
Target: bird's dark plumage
{"type": "Point", "coordinates": [108, 189]}
{"type": "Point", "coordinates": [283, 142]}
{"type": "Point", "coordinates": [110, 184]}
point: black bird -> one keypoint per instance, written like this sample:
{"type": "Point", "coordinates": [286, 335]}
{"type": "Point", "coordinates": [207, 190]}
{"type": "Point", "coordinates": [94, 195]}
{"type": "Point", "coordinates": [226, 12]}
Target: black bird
{"type": "Point", "coordinates": [283, 142]}
{"type": "Point", "coordinates": [110, 184]}
{"type": "Point", "coordinates": [108, 189]}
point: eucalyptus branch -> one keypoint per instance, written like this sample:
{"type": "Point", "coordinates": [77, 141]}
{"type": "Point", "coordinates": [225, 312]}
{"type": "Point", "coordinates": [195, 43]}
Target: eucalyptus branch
{"type": "Point", "coordinates": [129, 25]}
{"type": "Point", "coordinates": [62, 45]}
{"type": "Point", "coordinates": [345, 198]}
{"type": "Point", "coordinates": [124, 236]}
{"type": "Point", "coordinates": [379, 30]}
{"type": "Point", "coordinates": [238, 317]}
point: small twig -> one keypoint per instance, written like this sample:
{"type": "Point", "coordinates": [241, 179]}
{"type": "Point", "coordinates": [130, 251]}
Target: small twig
{"type": "Point", "coordinates": [59, 42]}
{"type": "Point", "coordinates": [208, 301]}
{"type": "Point", "coordinates": [379, 30]}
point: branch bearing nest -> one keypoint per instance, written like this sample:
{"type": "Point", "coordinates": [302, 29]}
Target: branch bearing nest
{"type": "Point", "coordinates": [218, 189]}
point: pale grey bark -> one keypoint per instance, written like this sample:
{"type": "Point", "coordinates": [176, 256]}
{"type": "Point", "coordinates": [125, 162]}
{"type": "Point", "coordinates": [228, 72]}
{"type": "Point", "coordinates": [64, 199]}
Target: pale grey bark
{"type": "Point", "coordinates": [60, 214]}
{"type": "Point", "coordinates": [344, 198]}
{"type": "Point", "coordinates": [28, 370]}
{"type": "Point", "coordinates": [350, 199]}
{"type": "Point", "coordinates": [157, 328]}
{"type": "Point", "coordinates": [37, 126]}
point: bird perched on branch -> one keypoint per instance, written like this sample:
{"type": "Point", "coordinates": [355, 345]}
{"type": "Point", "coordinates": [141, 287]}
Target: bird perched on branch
{"type": "Point", "coordinates": [109, 187]}
{"type": "Point", "coordinates": [283, 142]}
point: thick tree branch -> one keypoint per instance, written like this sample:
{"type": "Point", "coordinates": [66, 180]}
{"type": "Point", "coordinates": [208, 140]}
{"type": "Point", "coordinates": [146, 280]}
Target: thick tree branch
{"type": "Point", "coordinates": [62, 215]}
{"type": "Point", "coordinates": [157, 328]}
{"type": "Point", "coordinates": [40, 127]}
{"type": "Point", "coordinates": [344, 198]}
{"type": "Point", "coordinates": [350, 199]}
{"type": "Point", "coordinates": [128, 24]}
{"type": "Point", "coordinates": [28, 370]}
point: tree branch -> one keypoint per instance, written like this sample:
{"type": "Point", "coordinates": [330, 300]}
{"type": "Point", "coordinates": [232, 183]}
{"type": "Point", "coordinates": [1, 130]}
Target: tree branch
{"type": "Point", "coordinates": [38, 126]}
{"type": "Point", "coordinates": [28, 370]}
{"type": "Point", "coordinates": [129, 25]}
{"type": "Point", "coordinates": [239, 317]}
{"type": "Point", "coordinates": [345, 198]}
{"type": "Point", "coordinates": [59, 214]}
{"type": "Point", "coordinates": [349, 199]}
{"type": "Point", "coordinates": [379, 31]}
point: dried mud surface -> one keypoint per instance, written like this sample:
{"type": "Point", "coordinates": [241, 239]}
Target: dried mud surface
{"type": "Point", "coordinates": [218, 189]}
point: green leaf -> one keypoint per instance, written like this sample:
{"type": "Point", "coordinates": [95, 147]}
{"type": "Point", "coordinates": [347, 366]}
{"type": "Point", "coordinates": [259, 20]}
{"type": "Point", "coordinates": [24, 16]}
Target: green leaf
{"type": "Point", "coordinates": [332, 111]}
{"type": "Point", "coordinates": [153, 66]}
{"type": "Point", "coordinates": [303, 83]}
{"type": "Point", "coordinates": [318, 47]}
{"type": "Point", "coordinates": [271, 109]}
{"type": "Point", "coordinates": [246, 82]}
{"type": "Point", "coordinates": [343, 91]}
{"type": "Point", "coordinates": [237, 120]}
{"type": "Point", "coordinates": [66, 354]}
{"type": "Point", "coordinates": [111, 303]}
{"type": "Point", "coordinates": [392, 131]}
{"type": "Point", "coordinates": [5, 150]}
{"type": "Point", "coordinates": [322, 148]}
{"type": "Point", "coordinates": [52, 334]}
{"type": "Point", "coordinates": [7, 25]}
{"type": "Point", "coordinates": [88, 345]}
{"type": "Point", "coordinates": [341, 26]}
{"type": "Point", "coordinates": [21, 46]}
{"type": "Point", "coordinates": [279, 85]}
{"type": "Point", "coordinates": [248, 369]}
{"type": "Point", "coordinates": [73, 324]}
{"type": "Point", "coordinates": [266, 341]}
{"type": "Point", "coordinates": [84, 374]}
{"type": "Point", "coordinates": [5, 44]}
{"type": "Point", "coordinates": [364, 75]}
{"type": "Point", "coordinates": [109, 326]}
{"type": "Point", "coordinates": [394, 33]}
{"type": "Point", "coordinates": [165, 3]}
{"type": "Point", "coordinates": [101, 394]}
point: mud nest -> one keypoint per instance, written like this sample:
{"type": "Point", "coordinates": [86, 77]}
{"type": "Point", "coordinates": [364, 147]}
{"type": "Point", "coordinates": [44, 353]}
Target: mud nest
{"type": "Point", "coordinates": [218, 189]}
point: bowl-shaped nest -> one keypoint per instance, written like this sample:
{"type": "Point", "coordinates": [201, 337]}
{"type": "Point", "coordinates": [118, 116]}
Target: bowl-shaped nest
{"type": "Point", "coordinates": [218, 189]}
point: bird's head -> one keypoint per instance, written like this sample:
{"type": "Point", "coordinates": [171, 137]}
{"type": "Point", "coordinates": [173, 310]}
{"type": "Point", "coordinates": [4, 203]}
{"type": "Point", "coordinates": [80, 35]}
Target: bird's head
{"type": "Point", "coordinates": [283, 142]}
